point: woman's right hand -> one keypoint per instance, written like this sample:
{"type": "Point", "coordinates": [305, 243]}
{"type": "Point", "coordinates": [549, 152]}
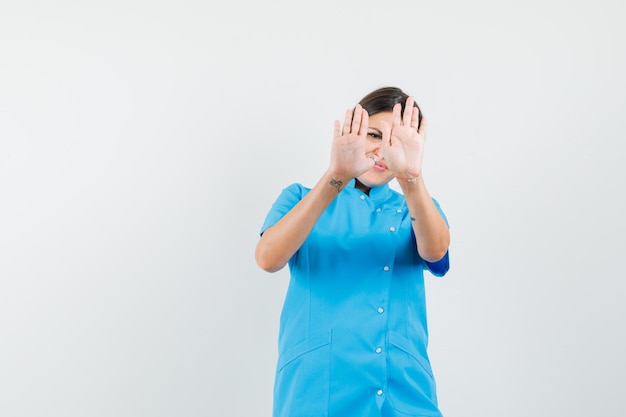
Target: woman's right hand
{"type": "Point", "coordinates": [347, 157]}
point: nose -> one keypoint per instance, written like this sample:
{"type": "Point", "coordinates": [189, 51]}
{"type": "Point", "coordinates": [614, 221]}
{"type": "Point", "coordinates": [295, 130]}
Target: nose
{"type": "Point", "coordinates": [376, 150]}
{"type": "Point", "coordinates": [376, 147]}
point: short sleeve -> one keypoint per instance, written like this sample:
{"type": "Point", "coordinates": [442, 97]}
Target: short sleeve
{"type": "Point", "coordinates": [287, 199]}
{"type": "Point", "coordinates": [440, 267]}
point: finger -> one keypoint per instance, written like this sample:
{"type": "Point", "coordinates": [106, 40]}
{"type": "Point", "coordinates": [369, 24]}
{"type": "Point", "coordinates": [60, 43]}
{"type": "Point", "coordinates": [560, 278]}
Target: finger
{"type": "Point", "coordinates": [397, 120]}
{"type": "Point", "coordinates": [356, 119]}
{"type": "Point", "coordinates": [386, 142]}
{"type": "Point", "coordinates": [415, 119]}
{"type": "Point", "coordinates": [364, 122]}
{"type": "Point", "coordinates": [347, 121]}
{"type": "Point", "coordinates": [408, 111]}
{"type": "Point", "coordinates": [337, 129]}
{"type": "Point", "coordinates": [423, 125]}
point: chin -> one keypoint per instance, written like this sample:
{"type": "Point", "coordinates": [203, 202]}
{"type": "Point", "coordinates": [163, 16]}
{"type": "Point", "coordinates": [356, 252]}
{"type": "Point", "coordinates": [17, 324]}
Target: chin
{"type": "Point", "coordinates": [374, 179]}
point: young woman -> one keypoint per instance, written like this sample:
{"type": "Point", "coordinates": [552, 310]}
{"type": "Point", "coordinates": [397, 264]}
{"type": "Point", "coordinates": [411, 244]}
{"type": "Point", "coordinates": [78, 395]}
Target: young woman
{"type": "Point", "coordinates": [353, 330]}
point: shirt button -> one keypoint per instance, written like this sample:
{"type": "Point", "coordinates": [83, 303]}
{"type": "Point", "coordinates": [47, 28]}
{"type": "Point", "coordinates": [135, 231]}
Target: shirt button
{"type": "Point", "coordinates": [380, 310]}
{"type": "Point", "coordinates": [378, 350]}
{"type": "Point", "coordinates": [392, 229]}
{"type": "Point", "coordinates": [379, 392]}
{"type": "Point", "coordinates": [362, 197]}
{"type": "Point", "coordinates": [378, 210]}
{"type": "Point", "coordinates": [385, 268]}
{"type": "Point", "coordinates": [399, 211]}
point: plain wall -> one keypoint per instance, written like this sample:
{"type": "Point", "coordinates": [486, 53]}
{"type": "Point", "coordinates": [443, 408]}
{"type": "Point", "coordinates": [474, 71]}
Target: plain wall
{"type": "Point", "coordinates": [142, 144]}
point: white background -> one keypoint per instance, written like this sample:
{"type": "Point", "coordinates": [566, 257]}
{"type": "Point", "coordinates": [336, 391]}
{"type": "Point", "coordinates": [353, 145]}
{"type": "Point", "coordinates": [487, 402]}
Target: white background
{"type": "Point", "coordinates": [142, 144]}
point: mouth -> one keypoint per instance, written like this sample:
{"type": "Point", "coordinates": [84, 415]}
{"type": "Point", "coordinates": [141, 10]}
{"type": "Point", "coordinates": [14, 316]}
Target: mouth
{"type": "Point", "coordinates": [380, 166]}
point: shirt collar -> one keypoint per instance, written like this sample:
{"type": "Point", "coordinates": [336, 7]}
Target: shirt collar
{"type": "Point", "coordinates": [376, 193]}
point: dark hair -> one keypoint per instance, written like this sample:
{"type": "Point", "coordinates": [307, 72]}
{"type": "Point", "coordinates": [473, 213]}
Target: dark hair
{"type": "Point", "coordinates": [384, 99]}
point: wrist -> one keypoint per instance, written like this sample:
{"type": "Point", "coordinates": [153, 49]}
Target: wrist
{"type": "Point", "coordinates": [336, 180]}
{"type": "Point", "coordinates": [409, 178]}
{"type": "Point", "coordinates": [410, 184]}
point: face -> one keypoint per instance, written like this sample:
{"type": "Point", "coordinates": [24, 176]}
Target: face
{"type": "Point", "coordinates": [378, 174]}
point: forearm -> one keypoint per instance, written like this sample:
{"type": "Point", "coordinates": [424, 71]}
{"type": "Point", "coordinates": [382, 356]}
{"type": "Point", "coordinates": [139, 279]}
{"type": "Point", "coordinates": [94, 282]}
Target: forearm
{"type": "Point", "coordinates": [431, 232]}
{"type": "Point", "coordinates": [280, 241]}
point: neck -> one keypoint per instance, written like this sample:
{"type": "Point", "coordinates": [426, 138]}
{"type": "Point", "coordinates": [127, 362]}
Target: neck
{"type": "Point", "coordinates": [360, 186]}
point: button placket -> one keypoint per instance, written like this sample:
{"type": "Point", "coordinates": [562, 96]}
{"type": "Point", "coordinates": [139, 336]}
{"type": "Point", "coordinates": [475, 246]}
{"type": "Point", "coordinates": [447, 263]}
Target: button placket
{"type": "Point", "coordinates": [387, 221]}
{"type": "Point", "coordinates": [393, 228]}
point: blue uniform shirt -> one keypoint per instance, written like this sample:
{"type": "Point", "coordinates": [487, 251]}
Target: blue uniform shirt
{"type": "Point", "coordinates": [353, 331]}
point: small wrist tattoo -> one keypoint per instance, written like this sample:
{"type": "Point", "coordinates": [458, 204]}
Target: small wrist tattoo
{"type": "Point", "coordinates": [412, 219]}
{"type": "Point", "coordinates": [337, 184]}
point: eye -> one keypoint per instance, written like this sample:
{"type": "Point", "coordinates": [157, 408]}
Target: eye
{"type": "Point", "coordinates": [374, 135]}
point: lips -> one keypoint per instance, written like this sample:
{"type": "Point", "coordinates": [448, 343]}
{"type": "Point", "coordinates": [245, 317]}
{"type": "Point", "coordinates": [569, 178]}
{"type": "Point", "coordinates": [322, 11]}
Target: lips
{"type": "Point", "coordinates": [380, 166]}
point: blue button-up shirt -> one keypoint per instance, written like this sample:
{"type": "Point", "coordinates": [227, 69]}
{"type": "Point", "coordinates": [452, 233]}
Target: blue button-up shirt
{"type": "Point", "coordinates": [353, 331]}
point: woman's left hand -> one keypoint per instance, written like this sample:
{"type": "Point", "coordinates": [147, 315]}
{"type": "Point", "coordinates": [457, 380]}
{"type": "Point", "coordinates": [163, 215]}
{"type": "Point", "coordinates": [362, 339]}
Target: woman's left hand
{"type": "Point", "coordinates": [403, 143]}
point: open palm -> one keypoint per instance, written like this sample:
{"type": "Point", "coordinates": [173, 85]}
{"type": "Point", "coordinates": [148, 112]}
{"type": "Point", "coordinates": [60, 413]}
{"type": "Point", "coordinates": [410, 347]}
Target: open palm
{"type": "Point", "coordinates": [403, 142]}
{"type": "Point", "coordinates": [348, 151]}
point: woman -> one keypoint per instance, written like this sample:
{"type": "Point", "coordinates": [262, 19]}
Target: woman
{"type": "Point", "coordinates": [353, 331]}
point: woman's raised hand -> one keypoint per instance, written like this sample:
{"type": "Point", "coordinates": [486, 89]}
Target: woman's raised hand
{"type": "Point", "coordinates": [403, 143]}
{"type": "Point", "coordinates": [347, 156]}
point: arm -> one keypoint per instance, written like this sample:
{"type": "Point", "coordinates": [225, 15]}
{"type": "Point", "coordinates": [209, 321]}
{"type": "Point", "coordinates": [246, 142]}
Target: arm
{"type": "Point", "coordinates": [281, 241]}
{"type": "Point", "coordinates": [431, 232]}
{"type": "Point", "coordinates": [403, 149]}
